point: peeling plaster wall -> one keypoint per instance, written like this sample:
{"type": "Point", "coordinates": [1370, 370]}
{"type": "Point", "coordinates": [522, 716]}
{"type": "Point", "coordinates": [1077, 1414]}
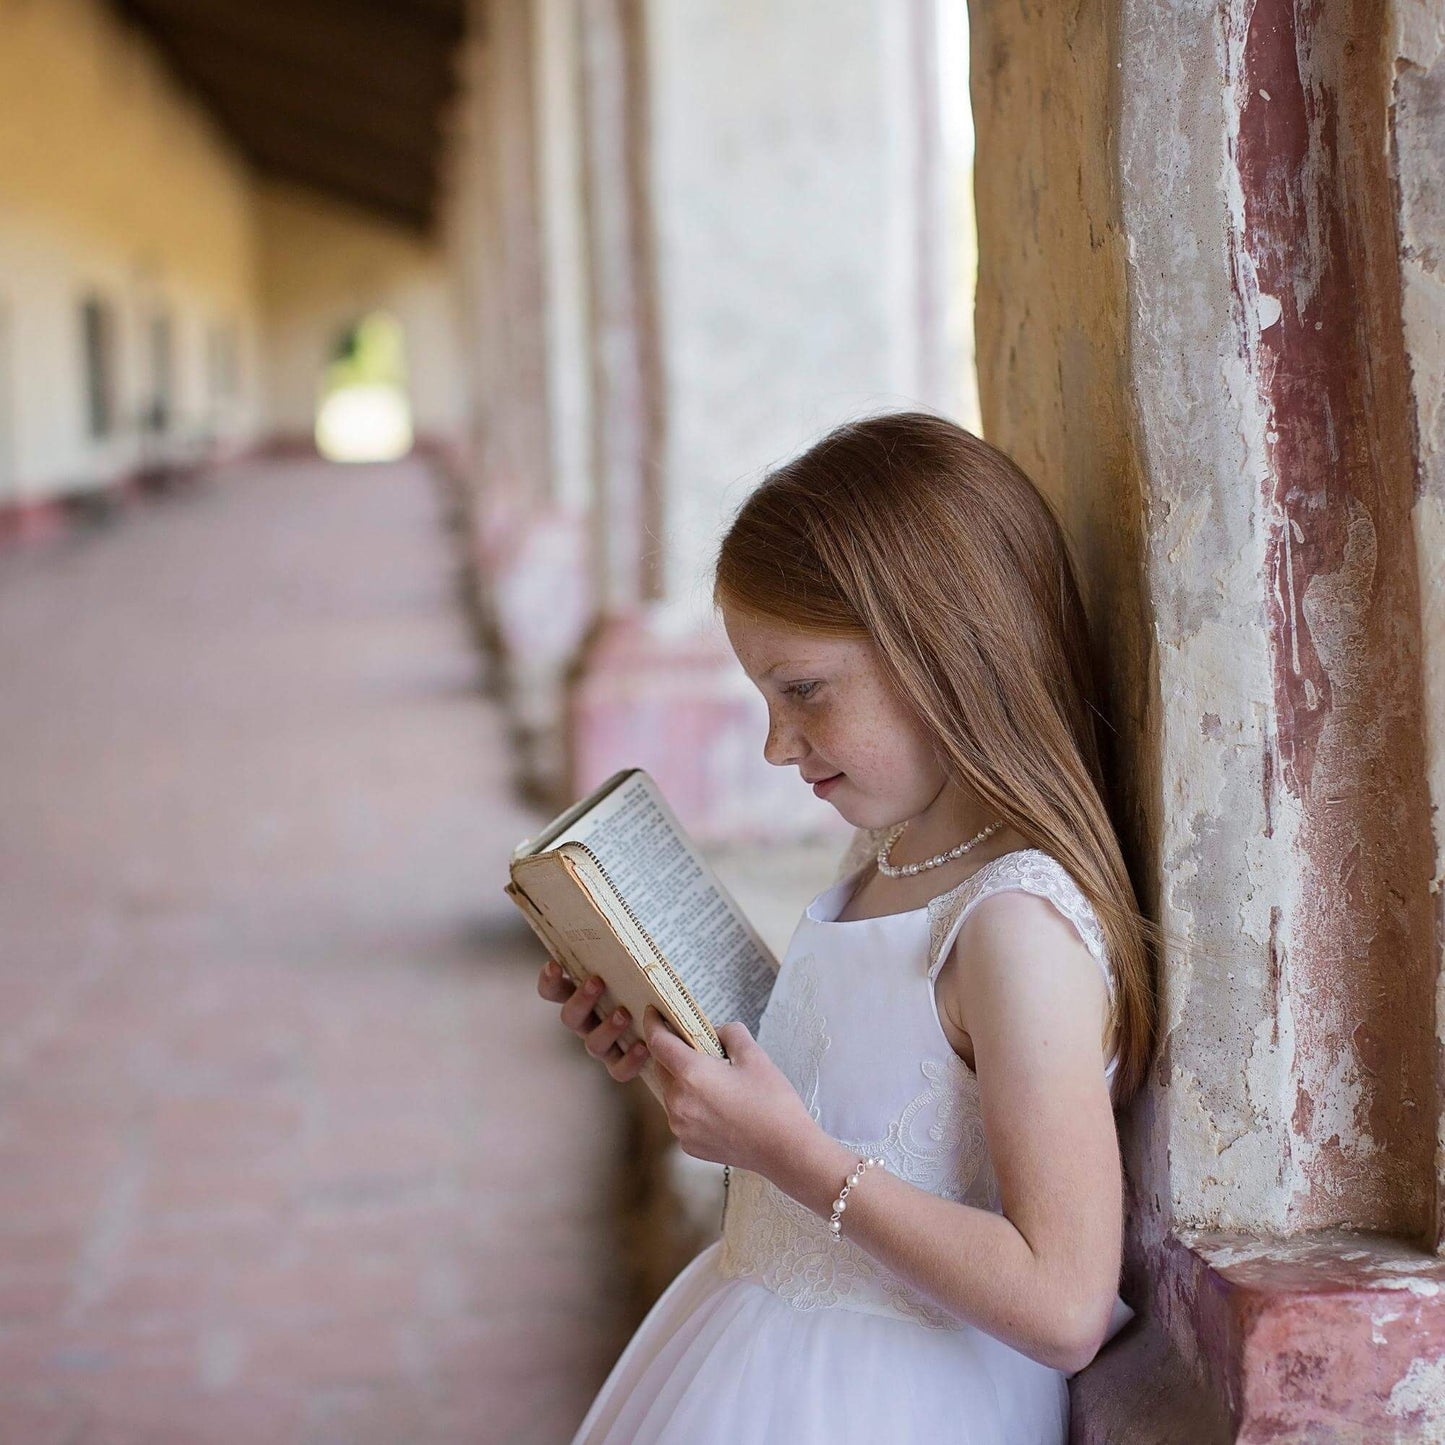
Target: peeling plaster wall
{"type": "Point", "coordinates": [1189, 335]}
{"type": "Point", "coordinates": [1316, 261]}
{"type": "Point", "coordinates": [1225, 863]}
{"type": "Point", "coordinates": [1417, 68]}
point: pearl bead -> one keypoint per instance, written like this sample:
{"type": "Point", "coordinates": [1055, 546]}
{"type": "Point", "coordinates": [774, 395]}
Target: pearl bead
{"type": "Point", "coordinates": [840, 1205]}
{"type": "Point", "coordinates": [854, 1178]}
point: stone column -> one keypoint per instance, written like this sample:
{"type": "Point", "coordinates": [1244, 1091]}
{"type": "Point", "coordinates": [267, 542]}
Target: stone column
{"type": "Point", "coordinates": [516, 231]}
{"type": "Point", "coordinates": [1416, 48]}
{"type": "Point", "coordinates": [1190, 330]}
{"type": "Point", "coordinates": [626, 386]}
{"type": "Point", "coordinates": [762, 201]}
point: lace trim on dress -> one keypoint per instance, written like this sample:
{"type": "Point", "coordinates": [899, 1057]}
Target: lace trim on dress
{"type": "Point", "coordinates": [786, 1248]}
{"type": "Point", "coordinates": [936, 1141]}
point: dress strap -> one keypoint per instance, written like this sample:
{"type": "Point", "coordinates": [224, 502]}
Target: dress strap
{"type": "Point", "coordinates": [1032, 871]}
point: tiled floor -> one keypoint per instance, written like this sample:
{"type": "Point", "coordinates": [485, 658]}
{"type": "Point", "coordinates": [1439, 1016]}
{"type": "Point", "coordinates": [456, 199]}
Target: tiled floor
{"type": "Point", "coordinates": [289, 1148]}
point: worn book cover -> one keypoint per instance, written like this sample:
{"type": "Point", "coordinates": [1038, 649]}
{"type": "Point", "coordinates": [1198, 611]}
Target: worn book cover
{"type": "Point", "coordinates": [615, 887]}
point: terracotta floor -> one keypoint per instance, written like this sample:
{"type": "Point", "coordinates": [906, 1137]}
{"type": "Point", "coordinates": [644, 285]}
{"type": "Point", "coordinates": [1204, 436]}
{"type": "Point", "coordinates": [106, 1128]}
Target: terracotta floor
{"type": "Point", "coordinates": [289, 1148]}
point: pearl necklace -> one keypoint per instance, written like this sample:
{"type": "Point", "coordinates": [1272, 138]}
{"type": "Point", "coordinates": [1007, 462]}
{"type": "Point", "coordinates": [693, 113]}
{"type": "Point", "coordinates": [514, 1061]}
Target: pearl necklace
{"type": "Point", "coordinates": [888, 870]}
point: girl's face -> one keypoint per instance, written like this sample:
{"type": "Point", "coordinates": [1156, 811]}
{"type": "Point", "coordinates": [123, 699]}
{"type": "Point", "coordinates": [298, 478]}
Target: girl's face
{"type": "Point", "coordinates": [834, 715]}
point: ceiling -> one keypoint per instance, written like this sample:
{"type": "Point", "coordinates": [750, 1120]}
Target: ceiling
{"type": "Point", "coordinates": [349, 97]}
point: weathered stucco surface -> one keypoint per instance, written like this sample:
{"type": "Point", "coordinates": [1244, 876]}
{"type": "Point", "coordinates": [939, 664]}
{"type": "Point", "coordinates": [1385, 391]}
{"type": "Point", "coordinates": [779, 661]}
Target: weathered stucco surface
{"type": "Point", "coordinates": [1317, 232]}
{"type": "Point", "coordinates": [1216, 216]}
{"type": "Point", "coordinates": [1278, 453]}
{"type": "Point", "coordinates": [1202, 346]}
{"type": "Point", "coordinates": [1417, 69]}
{"type": "Point", "coordinates": [1220, 1119]}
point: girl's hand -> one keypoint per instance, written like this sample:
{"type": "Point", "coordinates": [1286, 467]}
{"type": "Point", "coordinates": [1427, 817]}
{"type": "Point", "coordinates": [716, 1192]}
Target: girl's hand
{"type": "Point", "coordinates": [740, 1110]}
{"type": "Point", "coordinates": [599, 1035]}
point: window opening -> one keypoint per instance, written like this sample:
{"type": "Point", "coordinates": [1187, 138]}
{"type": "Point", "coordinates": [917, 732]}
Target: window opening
{"type": "Point", "coordinates": [98, 333]}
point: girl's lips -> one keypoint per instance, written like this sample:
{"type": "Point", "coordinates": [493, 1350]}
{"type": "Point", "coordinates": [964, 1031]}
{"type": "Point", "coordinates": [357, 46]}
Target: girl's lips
{"type": "Point", "coordinates": [822, 788]}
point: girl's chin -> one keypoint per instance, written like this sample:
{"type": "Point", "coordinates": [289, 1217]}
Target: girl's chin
{"type": "Point", "coordinates": [849, 811]}
{"type": "Point", "coordinates": [862, 816]}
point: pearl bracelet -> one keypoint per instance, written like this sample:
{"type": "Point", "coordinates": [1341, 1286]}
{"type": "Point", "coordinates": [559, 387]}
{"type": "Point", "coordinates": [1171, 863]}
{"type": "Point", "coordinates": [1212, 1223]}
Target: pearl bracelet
{"type": "Point", "coordinates": [835, 1224]}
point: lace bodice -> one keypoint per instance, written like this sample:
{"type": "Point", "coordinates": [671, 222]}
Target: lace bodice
{"type": "Point", "coordinates": [854, 1025]}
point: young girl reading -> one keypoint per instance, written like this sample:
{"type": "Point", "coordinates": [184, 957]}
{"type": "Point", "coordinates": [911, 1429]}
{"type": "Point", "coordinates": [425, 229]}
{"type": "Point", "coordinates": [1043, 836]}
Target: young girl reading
{"type": "Point", "coordinates": [922, 1235]}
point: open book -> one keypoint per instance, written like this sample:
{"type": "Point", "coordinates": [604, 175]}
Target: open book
{"type": "Point", "coordinates": [615, 887]}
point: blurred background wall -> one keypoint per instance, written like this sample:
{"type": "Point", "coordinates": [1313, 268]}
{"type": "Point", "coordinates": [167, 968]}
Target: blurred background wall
{"type": "Point", "coordinates": [612, 237]}
{"type": "Point", "coordinates": [324, 264]}
{"type": "Point", "coordinates": [128, 232]}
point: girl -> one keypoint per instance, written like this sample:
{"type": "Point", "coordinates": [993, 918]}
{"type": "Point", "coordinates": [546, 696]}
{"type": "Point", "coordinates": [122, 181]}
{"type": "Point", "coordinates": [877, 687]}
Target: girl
{"type": "Point", "coordinates": [922, 1234]}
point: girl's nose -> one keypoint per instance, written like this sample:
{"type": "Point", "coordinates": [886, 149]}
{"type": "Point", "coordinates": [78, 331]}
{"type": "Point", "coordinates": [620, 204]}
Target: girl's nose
{"type": "Point", "coordinates": [781, 747]}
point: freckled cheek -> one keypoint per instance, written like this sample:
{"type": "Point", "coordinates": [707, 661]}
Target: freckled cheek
{"type": "Point", "coordinates": [851, 751]}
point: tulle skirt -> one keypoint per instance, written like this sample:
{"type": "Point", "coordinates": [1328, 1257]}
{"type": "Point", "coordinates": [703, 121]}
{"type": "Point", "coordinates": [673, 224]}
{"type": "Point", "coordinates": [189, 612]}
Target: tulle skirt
{"type": "Point", "coordinates": [728, 1362]}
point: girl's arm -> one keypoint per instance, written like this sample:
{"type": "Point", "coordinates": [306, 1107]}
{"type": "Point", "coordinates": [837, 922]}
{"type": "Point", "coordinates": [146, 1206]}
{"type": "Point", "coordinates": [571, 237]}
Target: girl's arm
{"type": "Point", "coordinates": [1042, 1276]}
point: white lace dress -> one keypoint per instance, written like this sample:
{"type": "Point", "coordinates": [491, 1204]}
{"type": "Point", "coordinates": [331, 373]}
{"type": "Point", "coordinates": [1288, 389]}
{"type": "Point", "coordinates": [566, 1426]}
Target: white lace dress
{"type": "Point", "coordinates": [776, 1333]}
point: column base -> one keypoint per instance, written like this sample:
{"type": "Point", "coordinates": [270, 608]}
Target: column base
{"type": "Point", "coordinates": [535, 601]}
{"type": "Point", "coordinates": [1321, 1339]}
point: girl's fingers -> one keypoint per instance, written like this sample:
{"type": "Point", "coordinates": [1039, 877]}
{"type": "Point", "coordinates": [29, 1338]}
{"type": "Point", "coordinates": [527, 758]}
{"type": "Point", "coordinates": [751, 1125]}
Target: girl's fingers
{"type": "Point", "coordinates": [577, 1011]}
{"type": "Point", "coordinates": [601, 1039]}
{"type": "Point", "coordinates": [553, 983]}
{"type": "Point", "coordinates": [629, 1065]}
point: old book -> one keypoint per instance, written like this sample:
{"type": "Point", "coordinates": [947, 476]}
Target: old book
{"type": "Point", "coordinates": [615, 887]}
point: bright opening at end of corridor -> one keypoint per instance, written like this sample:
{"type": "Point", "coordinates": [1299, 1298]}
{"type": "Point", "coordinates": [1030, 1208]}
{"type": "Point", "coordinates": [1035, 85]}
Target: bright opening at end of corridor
{"type": "Point", "coordinates": [364, 414]}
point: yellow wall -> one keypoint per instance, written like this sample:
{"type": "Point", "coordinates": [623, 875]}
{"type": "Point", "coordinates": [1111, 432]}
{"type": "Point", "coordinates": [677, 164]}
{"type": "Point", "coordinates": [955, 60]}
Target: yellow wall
{"type": "Point", "coordinates": [324, 265]}
{"type": "Point", "coordinates": [111, 178]}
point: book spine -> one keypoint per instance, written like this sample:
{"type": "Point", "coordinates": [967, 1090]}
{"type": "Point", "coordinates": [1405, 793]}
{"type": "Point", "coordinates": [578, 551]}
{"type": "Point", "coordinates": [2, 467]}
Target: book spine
{"type": "Point", "coordinates": [681, 997]}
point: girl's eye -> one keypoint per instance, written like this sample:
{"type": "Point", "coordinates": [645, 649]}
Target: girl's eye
{"type": "Point", "coordinates": [802, 689]}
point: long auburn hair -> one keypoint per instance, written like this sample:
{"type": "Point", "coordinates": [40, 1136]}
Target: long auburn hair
{"type": "Point", "coordinates": [906, 529]}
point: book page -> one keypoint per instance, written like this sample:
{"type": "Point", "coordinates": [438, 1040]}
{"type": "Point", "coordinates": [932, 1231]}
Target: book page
{"type": "Point", "coordinates": [680, 901]}
{"type": "Point", "coordinates": [557, 828]}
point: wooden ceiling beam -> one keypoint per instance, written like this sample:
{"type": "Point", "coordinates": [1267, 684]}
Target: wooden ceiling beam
{"type": "Point", "coordinates": [354, 44]}
{"type": "Point", "coordinates": [342, 170]}
{"type": "Point", "coordinates": [411, 96]}
{"type": "Point", "coordinates": [403, 136]}
{"type": "Point", "coordinates": [348, 97]}
{"type": "Point", "coordinates": [409, 175]}
{"type": "Point", "coordinates": [446, 19]}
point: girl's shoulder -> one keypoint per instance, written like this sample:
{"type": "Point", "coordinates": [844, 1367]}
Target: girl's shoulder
{"type": "Point", "coordinates": [1029, 870]}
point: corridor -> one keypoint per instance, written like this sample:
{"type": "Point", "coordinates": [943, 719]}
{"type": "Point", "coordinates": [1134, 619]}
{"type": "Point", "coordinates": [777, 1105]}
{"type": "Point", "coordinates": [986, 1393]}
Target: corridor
{"type": "Point", "coordinates": [289, 1148]}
